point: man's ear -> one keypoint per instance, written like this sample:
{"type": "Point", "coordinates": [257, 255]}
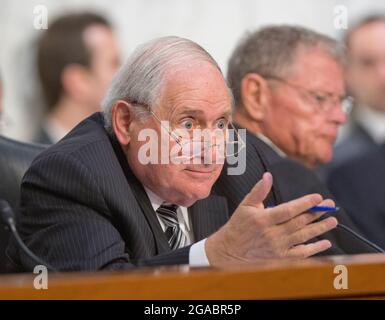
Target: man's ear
{"type": "Point", "coordinates": [254, 93]}
{"type": "Point", "coordinates": [121, 120]}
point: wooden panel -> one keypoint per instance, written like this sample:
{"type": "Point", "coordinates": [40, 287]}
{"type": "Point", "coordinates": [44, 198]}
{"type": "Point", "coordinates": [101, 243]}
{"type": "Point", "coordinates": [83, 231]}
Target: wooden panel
{"type": "Point", "coordinates": [311, 278]}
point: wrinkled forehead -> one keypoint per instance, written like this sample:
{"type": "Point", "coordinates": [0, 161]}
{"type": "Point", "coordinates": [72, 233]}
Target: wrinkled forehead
{"type": "Point", "coordinates": [313, 57]}
{"type": "Point", "coordinates": [329, 72]}
{"type": "Point", "coordinates": [198, 85]}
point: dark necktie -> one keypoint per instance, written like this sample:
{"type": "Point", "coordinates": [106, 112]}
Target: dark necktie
{"type": "Point", "coordinates": [167, 212]}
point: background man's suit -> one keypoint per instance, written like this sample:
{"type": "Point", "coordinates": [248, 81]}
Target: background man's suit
{"type": "Point", "coordinates": [83, 209]}
{"type": "Point", "coordinates": [290, 181]}
{"type": "Point", "coordinates": [43, 137]}
{"type": "Point", "coordinates": [357, 143]}
{"type": "Point", "coordinates": [359, 185]}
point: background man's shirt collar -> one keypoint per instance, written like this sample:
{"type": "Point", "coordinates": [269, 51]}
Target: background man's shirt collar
{"type": "Point", "coordinates": [271, 144]}
{"type": "Point", "coordinates": [373, 122]}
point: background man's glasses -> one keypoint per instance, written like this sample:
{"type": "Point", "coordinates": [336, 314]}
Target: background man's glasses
{"type": "Point", "coordinates": [325, 101]}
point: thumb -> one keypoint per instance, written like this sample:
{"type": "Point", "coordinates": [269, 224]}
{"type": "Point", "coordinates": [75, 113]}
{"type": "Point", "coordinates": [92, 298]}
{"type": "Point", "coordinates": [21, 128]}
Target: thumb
{"type": "Point", "coordinates": [259, 192]}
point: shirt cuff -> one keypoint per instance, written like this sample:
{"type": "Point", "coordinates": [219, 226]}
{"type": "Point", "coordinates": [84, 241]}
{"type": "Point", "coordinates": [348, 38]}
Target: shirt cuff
{"type": "Point", "coordinates": [197, 255]}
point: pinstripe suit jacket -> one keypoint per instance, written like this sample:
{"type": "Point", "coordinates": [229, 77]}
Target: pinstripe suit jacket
{"type": "Point", "coordinates": [291, 180]}
{"type": "Point", "coordinates": [83, 209]}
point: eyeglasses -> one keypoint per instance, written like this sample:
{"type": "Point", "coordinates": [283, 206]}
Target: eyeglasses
{"type": "Point", "coordinates": [325, 101]}
{"type": "Point", "coordinates": [191, 149]}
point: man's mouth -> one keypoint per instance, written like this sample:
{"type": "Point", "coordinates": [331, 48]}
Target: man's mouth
{"type": "Point", "coordinates": [203, 171]}
{"type": "Point", "coordinates": [331, 136]}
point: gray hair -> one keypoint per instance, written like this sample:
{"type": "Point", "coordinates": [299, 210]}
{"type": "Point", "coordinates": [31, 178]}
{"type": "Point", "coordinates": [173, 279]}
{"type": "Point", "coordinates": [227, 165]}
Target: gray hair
{"type": "Point", "coordinates": [271, 51]}
{"type": "Point", "coordinates": [139, 81]}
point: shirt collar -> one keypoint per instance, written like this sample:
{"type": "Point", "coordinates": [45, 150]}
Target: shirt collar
{"type": "Point", "coordinates": [373, 122]}
{"type": "Point", "coordinates": [54, 130]}
{"type": "Point", "coordinates": [156, 202]}
{"type": "Point", "coordinates": [271, 144]}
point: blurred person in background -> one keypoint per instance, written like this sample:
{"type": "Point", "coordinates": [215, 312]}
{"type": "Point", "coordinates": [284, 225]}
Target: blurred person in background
{"type": "Point", "coordinates": [359, 186]}
{"type": "Point", "coordinates": [289, 94]}
{"type": "Point", "coordinates": [365, 76]}
{"type": "Point", "coordinates": [77, 58]}
{"type": "Point", "coordinates": [357, 174]}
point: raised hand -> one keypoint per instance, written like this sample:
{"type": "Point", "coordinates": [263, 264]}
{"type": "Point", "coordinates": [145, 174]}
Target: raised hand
{"type": "Point", "coordinates": [255, 232]}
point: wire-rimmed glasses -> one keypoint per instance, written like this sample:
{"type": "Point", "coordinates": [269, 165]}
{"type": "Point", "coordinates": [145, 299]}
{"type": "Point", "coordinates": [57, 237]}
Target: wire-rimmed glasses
{"type": "Point", "coordinates": [194, 149]}
{"type": "Point", "coordinates": [325, 101]}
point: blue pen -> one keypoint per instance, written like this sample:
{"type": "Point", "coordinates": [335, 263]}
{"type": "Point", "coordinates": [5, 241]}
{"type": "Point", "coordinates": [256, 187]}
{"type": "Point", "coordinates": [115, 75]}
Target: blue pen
{"type": "Point", "coordinates": [319, 209]}
{"type": "Point", "coordinates": [323, 208]}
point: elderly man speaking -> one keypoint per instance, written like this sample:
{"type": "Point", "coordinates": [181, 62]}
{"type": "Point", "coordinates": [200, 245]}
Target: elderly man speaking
{"type": "Point", "coordinates": [90, 203]}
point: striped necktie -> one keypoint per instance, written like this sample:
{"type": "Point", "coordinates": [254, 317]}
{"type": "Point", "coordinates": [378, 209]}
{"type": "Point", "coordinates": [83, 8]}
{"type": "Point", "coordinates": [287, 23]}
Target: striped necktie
{"type": "Point", "coordinates": [167, 212]}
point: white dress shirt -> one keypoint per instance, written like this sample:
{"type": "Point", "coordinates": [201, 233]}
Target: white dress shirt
{"type": "Point", "coordinates": [197, 255]}
{"type": "Point", "coordinates": [373, 122]}
{"type": "Point", "coordinates": [54, 130]}
{"type": "Point", "coordinates": [272, 145]}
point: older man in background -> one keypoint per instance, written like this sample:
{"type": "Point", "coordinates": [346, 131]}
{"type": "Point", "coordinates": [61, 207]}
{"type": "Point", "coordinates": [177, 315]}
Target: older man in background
{"type": "Point", "coordinates": [289, 90]}
{"type": "Point", "coordinates": [77, 58]}
{"type": "Point", "coordinates": [289, 94]}
{"type": "Point", "coordinates": [90, 202]}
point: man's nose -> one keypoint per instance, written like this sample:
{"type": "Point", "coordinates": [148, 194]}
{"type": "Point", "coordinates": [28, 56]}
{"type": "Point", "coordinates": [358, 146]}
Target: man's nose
{"type": "Point", "coordinates": [337, 114]}
{"type": "Point", "coordinates": [214, 149]}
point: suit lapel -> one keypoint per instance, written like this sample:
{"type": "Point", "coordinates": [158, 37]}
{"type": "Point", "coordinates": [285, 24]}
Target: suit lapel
{"type": "Point", "coordinates": [144, 202]}
{"type": "Point", "coordinates": [208, 215]}
{"type": "Point", "coordinates": [142, 199]}
{"type": "Point", "coordinates": [267, 156]}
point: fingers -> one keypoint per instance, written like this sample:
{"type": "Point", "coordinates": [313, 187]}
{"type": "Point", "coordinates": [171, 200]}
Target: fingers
{"type": "Point", "coordinates": [307, 250]}
{"type": "Point", "coordinates": [287, 211]}
{"type": "Point", "coordinates": [259, 192]}
{"type": "Point", "coordinates": [328, 203]}
{"type": "Point", "coordinates": [302, 220]}
{"type": "Point", "coordinates": [298, 223]}
{"type": "Point", "coordinates": [311, 231]}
